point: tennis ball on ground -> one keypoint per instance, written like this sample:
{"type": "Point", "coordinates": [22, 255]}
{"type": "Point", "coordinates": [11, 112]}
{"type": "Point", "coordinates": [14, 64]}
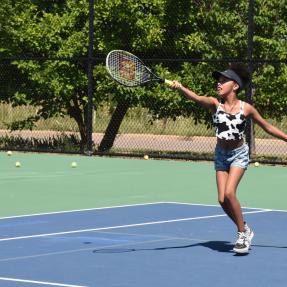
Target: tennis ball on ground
{"type": "Point", "coordinates": [9, 153]}
{"type": "Point", "coordinates": [256, 164]}
{"type": "Point", "coordinates": [74, 164]}
{"type": "Point", "coordinates": [146, 156]}
{"type": "Point", "coordinates": [18, 164]}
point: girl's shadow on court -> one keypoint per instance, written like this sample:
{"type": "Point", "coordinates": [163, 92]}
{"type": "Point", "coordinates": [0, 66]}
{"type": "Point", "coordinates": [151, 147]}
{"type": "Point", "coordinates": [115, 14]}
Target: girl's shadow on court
{"type": "Point", "coordinates": [219, 246]}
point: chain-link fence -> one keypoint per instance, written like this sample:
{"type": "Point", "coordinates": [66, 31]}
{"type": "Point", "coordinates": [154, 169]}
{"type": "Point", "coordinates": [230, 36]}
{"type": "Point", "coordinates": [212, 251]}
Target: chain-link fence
{"type": "Point", "coordinates": [68, 104]}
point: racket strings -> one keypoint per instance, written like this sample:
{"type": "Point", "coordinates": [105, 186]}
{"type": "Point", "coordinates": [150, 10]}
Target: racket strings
{"type": "Point", "coordinates": [127, 69]}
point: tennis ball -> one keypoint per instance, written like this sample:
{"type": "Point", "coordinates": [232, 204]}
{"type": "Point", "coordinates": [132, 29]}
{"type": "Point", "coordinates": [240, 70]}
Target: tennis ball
{"type": "Point", "coordinates": [18, 164]}
{"type": "Point", "coordinates": [9, 153]}
{"type": "Point", "coordinates": [256, 164]}
{"type": "Point", "coordinates": [74, 164]}
{"type": "Point", "coordinates": [146, 156]}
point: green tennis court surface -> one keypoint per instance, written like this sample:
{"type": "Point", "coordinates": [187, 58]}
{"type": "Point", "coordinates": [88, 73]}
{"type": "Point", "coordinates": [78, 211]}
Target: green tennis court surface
{"type": "Point", "coordinates": [47, 182]}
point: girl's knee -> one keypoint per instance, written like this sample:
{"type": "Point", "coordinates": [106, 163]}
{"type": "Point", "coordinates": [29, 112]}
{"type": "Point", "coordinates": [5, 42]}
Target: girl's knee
{"type": "Point", "coordinates": [230, 196]}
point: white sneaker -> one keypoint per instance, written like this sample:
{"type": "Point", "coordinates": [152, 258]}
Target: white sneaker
{"type": "Point", "coordinates": [242, 243]}
{"type": "Point", "coordinates": [248, 232]}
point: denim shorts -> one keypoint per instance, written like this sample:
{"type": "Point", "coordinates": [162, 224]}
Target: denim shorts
{"type": "Point", "coordinates": [224, 159]}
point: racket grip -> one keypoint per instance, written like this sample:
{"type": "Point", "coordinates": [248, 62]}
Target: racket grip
{"type": "Point", "coordinates": [168, 82]}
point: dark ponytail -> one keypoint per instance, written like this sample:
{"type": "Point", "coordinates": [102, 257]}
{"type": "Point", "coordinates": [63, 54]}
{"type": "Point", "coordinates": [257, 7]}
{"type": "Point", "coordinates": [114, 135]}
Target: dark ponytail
{"type": "Point", "coordinates": [241, 70]}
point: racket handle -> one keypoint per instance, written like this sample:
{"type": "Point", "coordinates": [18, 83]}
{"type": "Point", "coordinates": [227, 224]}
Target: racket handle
{"type": "Point", "coordinates": [168, 82]}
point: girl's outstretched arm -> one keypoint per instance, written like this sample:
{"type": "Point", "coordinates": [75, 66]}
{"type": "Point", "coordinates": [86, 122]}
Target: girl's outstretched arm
{"type": "Point", "coordinates": [267, 127]}
{"type": "Point", "coordinates": [207, 102]}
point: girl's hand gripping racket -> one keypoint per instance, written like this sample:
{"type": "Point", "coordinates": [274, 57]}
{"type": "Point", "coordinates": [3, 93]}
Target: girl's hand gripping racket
{"type": "Point", "coordinates": [128, 70]}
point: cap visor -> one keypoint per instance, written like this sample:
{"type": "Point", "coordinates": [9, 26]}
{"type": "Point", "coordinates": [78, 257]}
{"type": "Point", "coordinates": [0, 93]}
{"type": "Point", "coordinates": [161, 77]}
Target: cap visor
{"type": "Point", "coordinates": [216, 75]}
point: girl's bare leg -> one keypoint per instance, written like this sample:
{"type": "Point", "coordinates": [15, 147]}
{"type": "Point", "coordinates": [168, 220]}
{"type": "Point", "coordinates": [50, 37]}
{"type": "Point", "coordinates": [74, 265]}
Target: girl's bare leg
{"type": "Point", "coordinates": [227, 183]}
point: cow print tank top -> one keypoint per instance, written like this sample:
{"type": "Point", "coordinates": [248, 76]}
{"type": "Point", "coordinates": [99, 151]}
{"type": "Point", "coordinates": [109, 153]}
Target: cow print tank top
{"type": "Point", "coordinates": [229, 126]}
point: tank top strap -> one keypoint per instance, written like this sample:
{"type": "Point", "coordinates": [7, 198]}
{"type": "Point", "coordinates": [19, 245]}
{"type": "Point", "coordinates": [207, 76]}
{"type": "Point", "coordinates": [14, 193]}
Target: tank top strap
{"type": "Point", "coordinates": [219, 107]}
{"type": "Point", "coordinates": [242, 106]}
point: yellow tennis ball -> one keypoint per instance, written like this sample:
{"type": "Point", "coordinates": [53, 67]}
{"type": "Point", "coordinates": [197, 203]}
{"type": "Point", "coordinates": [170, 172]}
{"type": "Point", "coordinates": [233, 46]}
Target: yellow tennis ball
{"type": "Point", "coordinates": [146, 156]}
{"type": "Point", "coordinates": [74, 164]}
{"type": "Point", "coordinates": [18, 164]}
{"type": "Point", "coordinates": [9, 153]}
{"type": "Point", "coordinates": [256, 164]}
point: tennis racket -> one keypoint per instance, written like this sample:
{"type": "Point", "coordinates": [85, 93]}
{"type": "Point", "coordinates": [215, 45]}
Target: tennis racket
{"type": "Point", "coordinates": [128, 70]}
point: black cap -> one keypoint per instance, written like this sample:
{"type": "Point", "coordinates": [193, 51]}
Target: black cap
{"type": "Point", "coordinates": [229, 74]}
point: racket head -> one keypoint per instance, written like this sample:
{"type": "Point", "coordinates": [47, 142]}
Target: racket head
{"type": "Point", "coordinates": [128, 70]}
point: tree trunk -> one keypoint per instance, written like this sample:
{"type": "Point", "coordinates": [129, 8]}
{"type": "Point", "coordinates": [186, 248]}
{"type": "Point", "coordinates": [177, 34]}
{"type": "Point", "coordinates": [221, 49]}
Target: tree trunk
{"type": "Point", "coordinates": [76, 113]}
{"type": "Point", "coordinates": [113, 127]}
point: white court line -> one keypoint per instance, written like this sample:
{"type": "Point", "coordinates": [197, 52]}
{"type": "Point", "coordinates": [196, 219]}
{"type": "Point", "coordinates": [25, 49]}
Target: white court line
{"type": "Point", "coordinates": [38, 282]}
{"type": "Point", "coordinates": [123, 206]}
{"type": "Point", "coordinates": [216, 205]}
{"type": "Point", "coordinates": [123, 226]}
{"type": "Point", "coordinates": [80, 210]}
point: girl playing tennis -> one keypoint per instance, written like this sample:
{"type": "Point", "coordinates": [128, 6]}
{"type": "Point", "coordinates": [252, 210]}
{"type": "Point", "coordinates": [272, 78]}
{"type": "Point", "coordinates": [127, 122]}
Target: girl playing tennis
{"type": "Point", "coordinates": [229, 115]}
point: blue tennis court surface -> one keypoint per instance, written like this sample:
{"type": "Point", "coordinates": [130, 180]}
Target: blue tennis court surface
{"type": "Point", "coordinates": [158, 244]}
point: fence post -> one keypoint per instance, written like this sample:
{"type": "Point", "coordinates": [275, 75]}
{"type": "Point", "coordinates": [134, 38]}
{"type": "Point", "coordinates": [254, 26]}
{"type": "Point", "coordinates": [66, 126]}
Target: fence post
{"type": "Point", "coordinates": [250, 91]}
{"type": "Point", "coordinates": [89, 123]}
